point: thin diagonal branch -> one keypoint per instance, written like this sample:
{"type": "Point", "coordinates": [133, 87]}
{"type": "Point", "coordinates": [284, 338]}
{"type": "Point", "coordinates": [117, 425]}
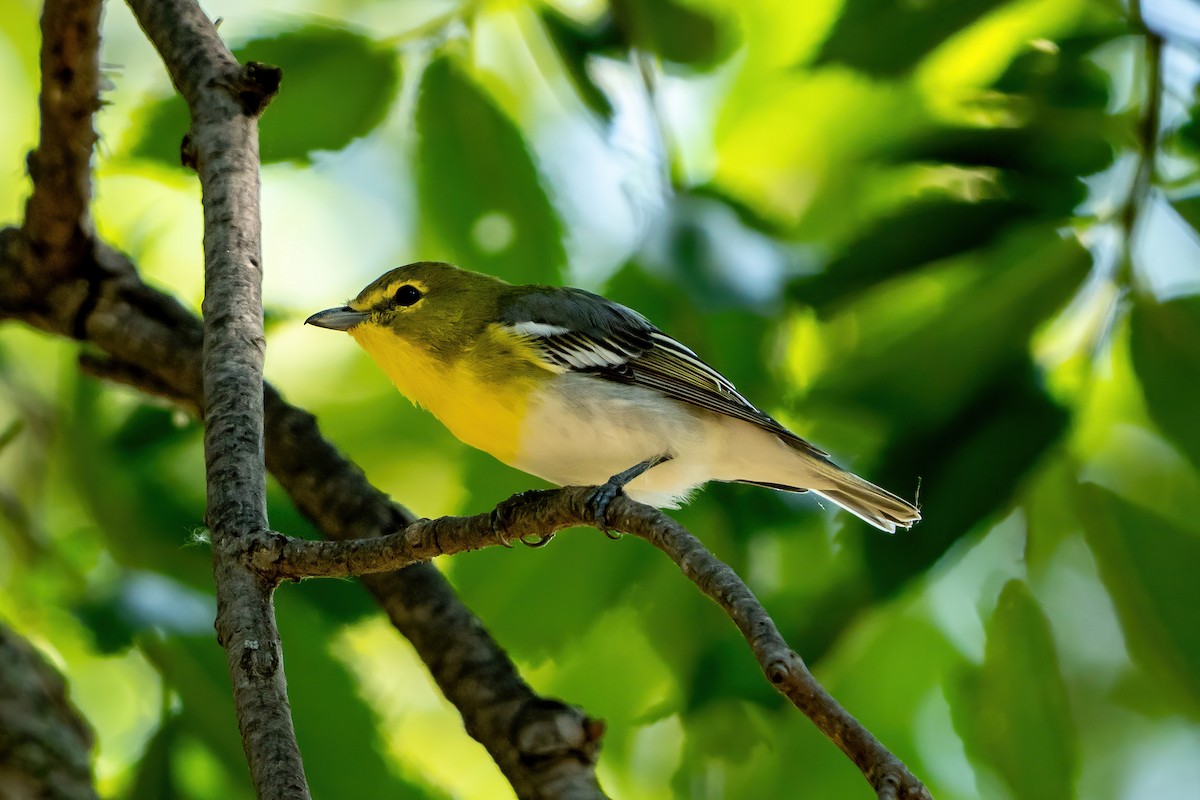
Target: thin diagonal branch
{"type": "Point", "coordinates": [57, 221]}
{"type": "Point", "coordinates": [44, 742]}
{"type": "Point", "coordinates": [540, 514]}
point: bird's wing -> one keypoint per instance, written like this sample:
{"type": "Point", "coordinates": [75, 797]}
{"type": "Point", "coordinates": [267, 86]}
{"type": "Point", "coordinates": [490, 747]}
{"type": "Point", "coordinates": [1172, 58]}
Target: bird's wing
{"type": "Point", "coordinates": [571, 330]}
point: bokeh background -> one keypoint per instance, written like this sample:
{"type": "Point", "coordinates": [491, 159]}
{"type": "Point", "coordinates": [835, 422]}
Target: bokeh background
{"type": "Point", "coordinates": [951, 241]}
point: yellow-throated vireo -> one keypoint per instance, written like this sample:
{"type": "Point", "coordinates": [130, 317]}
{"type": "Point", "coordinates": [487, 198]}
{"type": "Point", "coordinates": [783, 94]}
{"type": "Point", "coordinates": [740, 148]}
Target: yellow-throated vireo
{"type": "Point", "coordinates": [579, 390]}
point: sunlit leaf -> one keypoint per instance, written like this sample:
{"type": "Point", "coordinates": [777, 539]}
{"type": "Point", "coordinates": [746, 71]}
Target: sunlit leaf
{"type": "Point", "coordinates": [1012, 710]}
{"type": "Point", "coordinates": [1142, 558]}
{"type": "Point", "coordinates": [337, 86]}
{"type": "Point", "coordinates": [888, 38]}
{"type": "Point", "coordinates": [1165, 343]}
{"type": "Point", "coordinates": [479, 188]}
{"type": "Point", "coordinates": [957, 337]}
{"type": "Point", "coordinates": [336, 728]}
{"type": "Point", "coordinates": [917, 234]}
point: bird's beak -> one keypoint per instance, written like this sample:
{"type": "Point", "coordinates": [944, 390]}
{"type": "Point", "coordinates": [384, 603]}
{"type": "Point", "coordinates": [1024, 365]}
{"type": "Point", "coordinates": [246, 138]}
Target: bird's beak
{"type": "Point", "coordinates": [337, 319]}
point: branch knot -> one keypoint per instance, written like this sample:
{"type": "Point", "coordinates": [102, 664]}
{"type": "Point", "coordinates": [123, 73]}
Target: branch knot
{"type": "Point", "coordinates": [257, 86]}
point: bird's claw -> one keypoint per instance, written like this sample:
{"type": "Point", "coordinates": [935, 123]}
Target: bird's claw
{"type": "Point", "coordinates": [500, 526]}
{"type": "Point", "coordinates": [598, 503]}
{"type": "Point", "coordinates": [501, 522]}
{"type": "Point", "coordinates": [540, 541]}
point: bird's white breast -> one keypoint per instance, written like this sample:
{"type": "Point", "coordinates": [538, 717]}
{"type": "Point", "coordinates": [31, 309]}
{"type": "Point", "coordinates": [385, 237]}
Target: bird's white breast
{"type": "Point", "coordinates": [582, 430]}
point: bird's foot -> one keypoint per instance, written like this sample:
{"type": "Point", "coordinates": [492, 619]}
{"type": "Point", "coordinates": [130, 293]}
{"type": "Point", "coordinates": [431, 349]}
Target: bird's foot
{"type": "Point", "coordinates": [499, 522]}
{"type": "Point", "coordinates": [597, 505]}
{"type": "Point", "coordinates": [603, 495]}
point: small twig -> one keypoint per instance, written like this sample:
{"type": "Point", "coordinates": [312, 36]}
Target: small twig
{"type": "Point", "coordinates": [57, 221]}
{"type": "Point", "coordinates": [648, 71]}
{"type": "Point", "coordinates": [1147, 134]}
{"type": "Point", "coordinates": [539, 514]}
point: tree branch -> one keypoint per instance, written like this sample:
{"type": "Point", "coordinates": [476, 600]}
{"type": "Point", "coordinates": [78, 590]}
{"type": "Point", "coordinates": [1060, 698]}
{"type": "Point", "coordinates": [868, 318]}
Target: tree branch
{"type": "Point", "coordinates": [546, 749]}
{"type": "Point", "coordinates": [44, 742]}
{"type": "Point", "coordinates": [57, 221]}
{"type": "Point", "coordinates": [224, 149]}
{"type": "Point", "coordinates": [153, 343]}
{"type": "Point", "coordinates": [540, 514]}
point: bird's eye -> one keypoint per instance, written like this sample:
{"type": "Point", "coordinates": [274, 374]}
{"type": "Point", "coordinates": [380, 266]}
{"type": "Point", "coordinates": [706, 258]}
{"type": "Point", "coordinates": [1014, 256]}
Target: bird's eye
{"type": "Point", "coordinates": [406, 295]}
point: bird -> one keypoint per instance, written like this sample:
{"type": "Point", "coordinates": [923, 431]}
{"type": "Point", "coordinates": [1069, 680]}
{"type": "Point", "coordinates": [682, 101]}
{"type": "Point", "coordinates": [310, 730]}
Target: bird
{"type": "Point", "coordinates": [579, 390]}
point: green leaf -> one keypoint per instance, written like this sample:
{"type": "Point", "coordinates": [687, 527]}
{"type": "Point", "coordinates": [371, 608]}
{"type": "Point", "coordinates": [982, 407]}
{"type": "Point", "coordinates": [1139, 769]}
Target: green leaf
{"type": "Point", "coordinates": [1012, 710]}
{"type": "Point", "coordinates": [1064, 75]}
{"type": "Point", "coordinates": [920, 232]}
{"type": "Point", "coordinates": [1188, 135]}
{"type": "Point", "coordinates": [337, 86]}
{"type": "Point", "coordinates": [919, 356]}
{"type": "Point", "coordinates": [886, 38]}
{"type": "Point", "coordinates": [1189, 209]}
{"type": "Point", "coordinates": [134, 602]}
{"type": "Point", "coordinates": [969, 469]}
{"type": "Point", "coordinates": [480, 191]}
{"type": "Point", "coordinates": [575, 43]}
{"type": "Point", "coordinates": [155, 779]}
{"type": "Point", "coordinates": [194, 667]}
{"type": "Point", "coordinates": [1165, 343]}
{"type": "Point", "coordinates": [675, 31]}
{"type": "Point", "coordinates": [336, 728]}
{"type": "Point", "coordinates": [155, 531]}
{"type": "Point", "coordinates": [1147, 565]}
{"type": "Point", "coordinates": [153, 427]}
{"type": "Point", "coordinates": [539, 601]}
{"type": "Point", "coordinates": [11, 432]}
{"type": "Point", "coordinates": [1052, 149]}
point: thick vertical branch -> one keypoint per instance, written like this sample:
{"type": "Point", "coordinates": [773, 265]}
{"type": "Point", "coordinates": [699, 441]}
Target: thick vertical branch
{"type": "Point", "coordinates": [225, 101]}
{"type": "Point", "coordinates": [56, 216]}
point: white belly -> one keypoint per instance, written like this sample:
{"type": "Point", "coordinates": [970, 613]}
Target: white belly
{"type": "Point", "coordinates": [582, 430]}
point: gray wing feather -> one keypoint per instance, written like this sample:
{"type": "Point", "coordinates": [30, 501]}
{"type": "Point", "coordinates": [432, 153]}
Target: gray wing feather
{"type": "Point", "coordinates": [574, 330]}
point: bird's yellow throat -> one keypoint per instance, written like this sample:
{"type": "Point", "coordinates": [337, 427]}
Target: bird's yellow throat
{"type": "Point", "coordinates": [481, 408]}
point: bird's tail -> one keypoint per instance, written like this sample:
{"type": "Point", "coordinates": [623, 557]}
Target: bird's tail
{"type": "Point", "coordinates": [867, 501]}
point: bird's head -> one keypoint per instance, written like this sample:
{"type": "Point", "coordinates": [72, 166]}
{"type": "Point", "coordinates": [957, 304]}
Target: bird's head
{"type": "Point", "coordinates": [430, 305]}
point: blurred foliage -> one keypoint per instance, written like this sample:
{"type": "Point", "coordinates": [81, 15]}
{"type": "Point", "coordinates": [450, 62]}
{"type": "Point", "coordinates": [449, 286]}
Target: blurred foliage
{"type": "Point", "coordinates": [911, 231]}
{"type": "Point", "coordinates": [340, 84]}
{"type": "Point", "coordinates": [1012, 710]}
